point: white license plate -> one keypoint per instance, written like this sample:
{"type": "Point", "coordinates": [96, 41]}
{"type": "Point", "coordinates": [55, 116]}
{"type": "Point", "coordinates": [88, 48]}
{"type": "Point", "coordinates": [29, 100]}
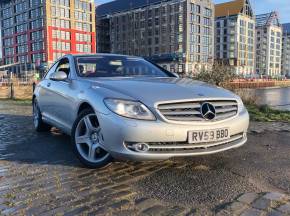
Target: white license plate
{"type": "Point", "coordinates": [208, 135]}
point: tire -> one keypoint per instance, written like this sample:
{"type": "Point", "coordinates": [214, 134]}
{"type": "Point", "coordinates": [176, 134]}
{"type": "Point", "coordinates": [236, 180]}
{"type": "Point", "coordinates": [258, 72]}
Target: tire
{"type": "Point", "coordinates": [38, 123]}
{"type": "Point", "coordinates": [87, 140]}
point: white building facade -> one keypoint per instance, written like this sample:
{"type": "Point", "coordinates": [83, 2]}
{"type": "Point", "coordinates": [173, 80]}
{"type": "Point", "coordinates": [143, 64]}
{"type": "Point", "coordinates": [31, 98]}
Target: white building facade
{"type": "Point", "coordinates": [268, 45]}
{"type": "Point", "coordinates": [285, 67]}
{"type": "Point", "coordinates": [235, 36]}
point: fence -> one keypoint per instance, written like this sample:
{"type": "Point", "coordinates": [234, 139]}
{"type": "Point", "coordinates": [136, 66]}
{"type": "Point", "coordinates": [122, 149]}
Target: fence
{"type": "Point", "coordinates": [14, 91]}
{"type": "Point", "coordinates": [14, 87]}
{"type": "Point", "coordinates": [258, 84]}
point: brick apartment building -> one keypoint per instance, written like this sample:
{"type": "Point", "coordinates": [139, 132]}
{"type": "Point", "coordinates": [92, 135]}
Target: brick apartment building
{"type": "Point", "coordinates": [177, 34]}
{"type": "Point", "coordinates": [37, 32]}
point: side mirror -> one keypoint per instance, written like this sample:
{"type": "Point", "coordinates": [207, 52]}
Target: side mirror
{"type": "Point", "coordinates": [176, 75]}
{"type": "Point", "coordinates": [59, 76]}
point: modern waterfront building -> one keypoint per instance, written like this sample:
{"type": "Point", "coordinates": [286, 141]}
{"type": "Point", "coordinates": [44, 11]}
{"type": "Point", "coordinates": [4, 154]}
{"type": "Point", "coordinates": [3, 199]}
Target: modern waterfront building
{"type": "Point", "coordinates": [37, 32]}
{"type": "Point", "coordinates": [235, 36]}
{"type": "Point", "coordinates": [177, 34]}
{"type": "Point", "coordinates": [285, 68]}
{"type": "Point", "coordinates": [269, 44]}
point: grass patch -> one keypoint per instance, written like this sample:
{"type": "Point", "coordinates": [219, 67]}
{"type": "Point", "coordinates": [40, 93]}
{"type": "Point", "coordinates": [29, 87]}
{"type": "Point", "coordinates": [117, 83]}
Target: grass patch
{"type": "Point", "coordinates": [267, 114]}
{"type": "Point", "coordinates": [17, 101]}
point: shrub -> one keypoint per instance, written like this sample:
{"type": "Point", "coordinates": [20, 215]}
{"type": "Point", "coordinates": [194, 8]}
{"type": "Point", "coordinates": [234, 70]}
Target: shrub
{"type": "Point", "coordinates": [219, 74]}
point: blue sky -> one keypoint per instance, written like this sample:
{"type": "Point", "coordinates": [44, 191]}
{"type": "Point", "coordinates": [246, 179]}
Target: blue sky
{"type": "Point", "coordinates": [259, 6]}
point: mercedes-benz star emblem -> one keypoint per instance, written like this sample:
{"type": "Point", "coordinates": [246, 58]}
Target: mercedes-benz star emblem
{"type": "Point", "coordinates": [208, 111]}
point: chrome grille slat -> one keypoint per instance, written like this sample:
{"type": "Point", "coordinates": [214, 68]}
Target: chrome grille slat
{"type": "Point", "coordinates": [223, 110]}
{"type": "Point", "coordinates": [179, 106]}
{"type": "Point", "coordinates": [225, 103]}
{"type": "Point", "coordinates": [191, 111]}
{"type": "Point", "coordinates": [185, 118]}
{"type": "Point", "coordinates": [170, 113]}
{"type": "Point", "coordinates": [225, 115]}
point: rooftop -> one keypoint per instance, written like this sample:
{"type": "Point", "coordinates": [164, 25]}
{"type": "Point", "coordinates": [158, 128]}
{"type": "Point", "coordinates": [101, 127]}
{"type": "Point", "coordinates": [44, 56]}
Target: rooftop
{"type": "Point", "coordinates": [271, 18]}
{"type": "Point", "coordinates": [229, 8]}
{"type": "Point", "coordinates": [118, 6]}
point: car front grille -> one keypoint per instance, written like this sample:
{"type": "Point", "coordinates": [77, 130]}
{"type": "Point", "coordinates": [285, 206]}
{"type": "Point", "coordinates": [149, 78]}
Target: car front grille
{"type": "Point", "coordinates": [191, 111]}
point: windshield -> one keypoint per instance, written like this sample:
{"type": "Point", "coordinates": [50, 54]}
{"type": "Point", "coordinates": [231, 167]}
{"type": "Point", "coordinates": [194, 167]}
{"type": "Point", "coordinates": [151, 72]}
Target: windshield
{"type": "Point", "coordinates": [118, 66]}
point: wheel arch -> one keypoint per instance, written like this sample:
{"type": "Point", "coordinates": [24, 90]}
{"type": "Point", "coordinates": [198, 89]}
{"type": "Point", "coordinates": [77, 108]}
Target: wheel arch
{"type": "Point", "coordinates": [83, 106]}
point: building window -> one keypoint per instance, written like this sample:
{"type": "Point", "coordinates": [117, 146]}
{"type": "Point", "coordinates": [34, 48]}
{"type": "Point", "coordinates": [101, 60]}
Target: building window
{"type": "Point", "coordinates": [36, 24]}
{"type": "Point", "coordinates": [86, 6]}
{"type": "Point", "coordinates": [208, 12]}
{"type": "Point", "coordinates": [34, 3]}
{"type": "Point", "coordinates": [37, 46]}
{"type": "Point", "coordinates": [38, 12]}
{"type": "Point", "coordinates": [22, 48]}
{"type": "Point", "coordinates": [21, 28]}
{"type": "Point", "coordinates": [20, 7]}
{"type": "Point", "coordinates": [22, 39]}
{"type": "Point", "coordinates": [36, 35]}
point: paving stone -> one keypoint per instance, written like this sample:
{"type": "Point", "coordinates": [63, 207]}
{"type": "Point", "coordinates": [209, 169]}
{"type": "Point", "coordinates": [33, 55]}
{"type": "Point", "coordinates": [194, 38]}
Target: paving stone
{"type": "Point", "coordinates": [191, 212]}
{"type": "Point", "coordinates": [144, 203]}
{"type": "Point", "coordinates": [275, 196]}
{"type": "Point", "coordinates": [123, 194]}
{"type": "Point", "coordinates": [285, 208]}
{"type": "Point", "coordinates": [120, 204]}
{"type": "Point", "coordinates": [274, 213]}
{"type": "Point", "coordinates": [224, 213]}
{"type": "Point", "coordinates": [77, 211]}
{"type": "Point", "coordinates": [121, 187]}
{"type": "Point", "coordinates": [154, 210]}
{"type": "Point", "coordinates": [252, 212]}
{"type": "Point", "coordinates": [176, 210]}
{"type": "Point", "coordinates": [262, 203]}
{"type": "Point", "coordinates": [236, 207]}
{"type": "Point", "coordinates": [127, 213]}
{"type": "Point", "coordinates": [248, 198]}
{"type": "Point", "coordinates": [99, 211]}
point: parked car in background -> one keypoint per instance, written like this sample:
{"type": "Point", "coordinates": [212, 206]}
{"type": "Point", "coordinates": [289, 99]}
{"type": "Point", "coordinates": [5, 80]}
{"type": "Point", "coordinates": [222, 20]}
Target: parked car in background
{"type": "Point", "coordinates": [124, 107]}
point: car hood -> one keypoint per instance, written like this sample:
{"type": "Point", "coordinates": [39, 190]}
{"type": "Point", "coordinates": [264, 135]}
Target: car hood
{"type": "Point", "coordinates": [154, 90]}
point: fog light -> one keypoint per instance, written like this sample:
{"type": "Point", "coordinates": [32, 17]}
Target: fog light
{"type": "Point", "coordinates": [140, 147]}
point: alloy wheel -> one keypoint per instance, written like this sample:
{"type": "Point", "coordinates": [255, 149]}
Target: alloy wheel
{"type": "Point", "coordinates": [89, 139]}
{"type": "Point", "coordinates": [35, 114]}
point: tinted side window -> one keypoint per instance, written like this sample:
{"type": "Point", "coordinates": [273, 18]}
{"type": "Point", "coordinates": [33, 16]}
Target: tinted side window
{"type": "Point", "coordinates": [63, 65]}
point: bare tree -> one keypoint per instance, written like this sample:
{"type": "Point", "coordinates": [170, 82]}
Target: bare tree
{"type": "Point", "coordinates": [219, 74]}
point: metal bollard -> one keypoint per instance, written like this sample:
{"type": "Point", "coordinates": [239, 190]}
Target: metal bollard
{"type": "Point", "coordinates": [33, 86]}
{"type": "Point", "coordinates": [11, 91]}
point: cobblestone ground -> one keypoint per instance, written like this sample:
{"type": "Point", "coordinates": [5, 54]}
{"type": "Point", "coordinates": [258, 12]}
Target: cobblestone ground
{"type": "Point", "coordinates": [39, 175]}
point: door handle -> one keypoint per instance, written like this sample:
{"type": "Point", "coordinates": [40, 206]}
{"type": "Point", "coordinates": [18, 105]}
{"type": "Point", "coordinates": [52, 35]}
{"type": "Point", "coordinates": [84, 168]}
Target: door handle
{"type": "Point", "coordinates": [48, 84]}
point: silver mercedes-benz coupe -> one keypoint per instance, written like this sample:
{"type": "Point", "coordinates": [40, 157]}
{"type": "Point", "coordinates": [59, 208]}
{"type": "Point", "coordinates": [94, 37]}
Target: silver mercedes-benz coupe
{"type": "Point", "coordinates": [124, 107]}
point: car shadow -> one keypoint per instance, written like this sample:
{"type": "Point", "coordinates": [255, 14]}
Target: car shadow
{"type": "Point", "coordinates": [19, 142]}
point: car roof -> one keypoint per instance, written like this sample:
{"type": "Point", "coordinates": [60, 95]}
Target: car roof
{"type": "Point", "coordinates": [99, 54]}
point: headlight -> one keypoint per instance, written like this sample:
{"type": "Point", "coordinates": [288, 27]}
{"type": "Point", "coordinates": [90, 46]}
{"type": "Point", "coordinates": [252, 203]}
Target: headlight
{"type": "Point", "coordinates": [240, 103]}
{"type": "Point", "coordinates": [129, 109]}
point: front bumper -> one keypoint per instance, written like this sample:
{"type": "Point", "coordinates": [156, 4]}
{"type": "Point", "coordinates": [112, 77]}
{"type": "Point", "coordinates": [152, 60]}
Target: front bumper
{"type": "Point", "coordinates": [166, 140]}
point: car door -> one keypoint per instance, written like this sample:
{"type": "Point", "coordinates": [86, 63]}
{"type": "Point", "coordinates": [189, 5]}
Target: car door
{"type": "Point", "coordinates": [45, 95]}
{"type": "Point", "coordinates": [61, 97]}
